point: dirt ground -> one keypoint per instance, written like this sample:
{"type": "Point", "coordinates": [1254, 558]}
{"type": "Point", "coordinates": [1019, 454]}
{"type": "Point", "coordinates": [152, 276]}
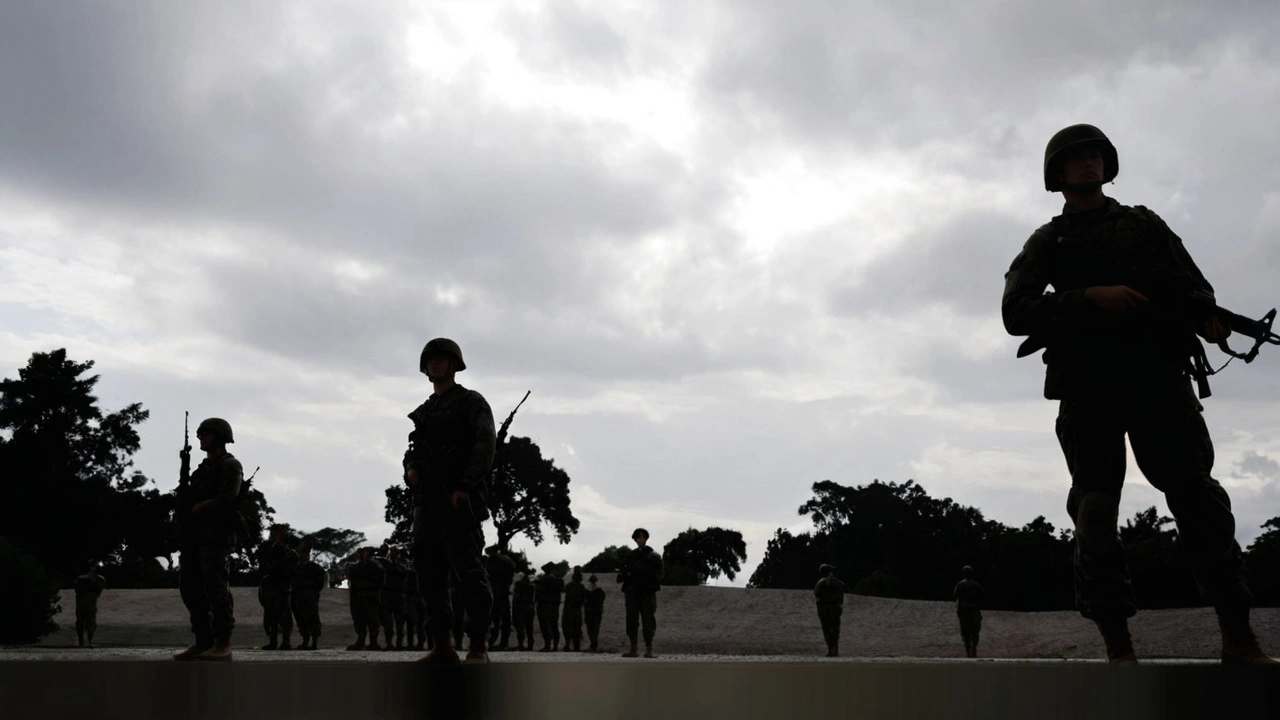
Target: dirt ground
{"type": "Point", "coordinates": [733, 623]}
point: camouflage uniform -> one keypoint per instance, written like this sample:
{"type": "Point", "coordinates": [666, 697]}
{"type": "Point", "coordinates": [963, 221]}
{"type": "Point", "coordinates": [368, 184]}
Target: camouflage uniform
{"type": "Point", "coordinates": [549, 587]}
{"type": "Point", "coordinates": [276, 564]}
{"type": "Point", "coordinates": [501, 571]}
{"type": "Point", "coordinates": [1118, 375]}
{"type": "Point", "coordinates": [575, 595]}
{"type": "Point", "coordinates": [641, 580]}
{"type": "Point", "coordinates": [88, 588]}
{"type": "Point", "coordinates": [364, 582]}
{"type": "Point", "coordinates": [522, 602]}
{"type": "Point", "coordinates": [593, 609]}
{"type": "Point", "coordinates": [309, 578]}
{"type": "Point", "coordinates": [829, 594]}
{"type": "Point", "coordinates": [391, 610]}
{"type": "Point", "coordinates": [968, 597]}
{"type": "Point", "coordinates": [451, 449]}
{"type": "Point", "coordinates": [205, 545]}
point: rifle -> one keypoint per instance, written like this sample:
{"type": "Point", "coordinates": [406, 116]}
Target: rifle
{"type": "Point", "coordinates": [242, 522]}
{"type": "Point", "coordinates": [506, 424]}
{"type": "Point", "coordinates": [1178, 290]}
{"type": "Point", "coordinates": [181, 506]}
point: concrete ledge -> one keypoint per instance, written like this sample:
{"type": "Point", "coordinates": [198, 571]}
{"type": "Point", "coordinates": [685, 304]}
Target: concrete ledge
{"type": "Point", "coordinates": [673, 688]}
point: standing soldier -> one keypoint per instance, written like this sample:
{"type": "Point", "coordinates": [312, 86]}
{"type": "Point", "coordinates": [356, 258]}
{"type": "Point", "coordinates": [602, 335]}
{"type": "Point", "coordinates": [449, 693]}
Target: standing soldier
{"type": "Point", "coordinates": [1119, 364]}
{"type": "Point", "coordinates": [522, 602]}
{"type": "Point", "coordinates": [277, 563]}
{"type": "Point", "coordinates": [575, 594]}
{"type": "Point", "coordinates": [207, 533]}
{"type": "Point", "coordinates": [364, 589]}
{"type": "Point", "coordinates": [415, 614]}
{"type": "Point", "coordinates": [446, 467]}
{"type": "Point", "coordinates": [309, 578]}
{"type": "Point", "coordinates": [829, 593]}
{"type": "Point", "coordinates": [393, 598]}
{"type": "Point", "coordinates": [89, 587]}
{"type": "Point", "coordinates": [549, 587]}
{"type": "Point", "coordinates": [641, 577]}
{"type": "Point", "coordinates": [968, 597]}
{"type": "Point", "coordinates": [502, 570]}
{"type": "Point", "coordinates": [593, 607]}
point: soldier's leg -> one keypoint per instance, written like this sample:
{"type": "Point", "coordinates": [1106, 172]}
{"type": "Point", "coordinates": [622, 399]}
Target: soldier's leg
{"type": "Point", "coordinates": [216, 566]}
{"type": "Point", "coordinates": [191, 586]}
{"type": "Point", "coordinates": [299, 616]}
{"type": "Point", "coordinates": [268, 621]}
{"type": "Point", "coordinates": [593, 629]}
{"type": "Point", "coordinates": [313, 610]}
{"type": "Point", "coordinates": [357, 620]}
{"type": "Point", "coordinates": [431, 561]}
{"type": "Point", "coordinates": [504, 620]}
{"type": "Point", "coordinates": [80, 623]}
{"type": "Point", "coordinates": [543, 630]}
{"type": "Point", "coordinates": [649, 620]}
{"type": "Point", "coordinates": [397, 616]}
{"type": "Point", "coordinates": [285, 619]}
{"type": "Point", "coordinates": [632, 602]}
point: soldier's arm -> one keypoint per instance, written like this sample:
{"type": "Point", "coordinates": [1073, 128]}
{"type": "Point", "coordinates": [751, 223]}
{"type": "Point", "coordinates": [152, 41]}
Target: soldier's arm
{"type": "Point", "coordinates": [482, 451]}
{"type": "Point", "coordinates": [230, 476]}
{"type": "Point", "coordinates": [1026, 308]}
{"type": "Point", "coordinates": [1179, 253]}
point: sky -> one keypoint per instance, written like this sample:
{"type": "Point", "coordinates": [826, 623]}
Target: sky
{"type": "Point", "coordinates": [733, 248]}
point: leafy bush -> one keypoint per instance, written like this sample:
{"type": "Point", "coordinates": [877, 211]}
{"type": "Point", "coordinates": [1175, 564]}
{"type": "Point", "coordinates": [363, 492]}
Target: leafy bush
{"type": "Point", "coordinates": [29, 600]}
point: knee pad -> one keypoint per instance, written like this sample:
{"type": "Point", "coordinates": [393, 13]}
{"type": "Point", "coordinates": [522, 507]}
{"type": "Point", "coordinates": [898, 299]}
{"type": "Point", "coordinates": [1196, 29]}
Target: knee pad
{"type": "Point", "coordinates": [1096, 518]}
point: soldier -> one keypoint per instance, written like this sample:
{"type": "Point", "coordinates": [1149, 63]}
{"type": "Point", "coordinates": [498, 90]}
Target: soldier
{"type": "Point", "coordinates": [447, 465]}
{"type": "Point", "coordinates": [415, 614]}
{"type": "Point", "coordinates": [502, 570]}
{"type": "Point", "coordinates": [1120, 364]}
{"type": "Point", "coordinates": [522, 603]}
{"type": "Point", "coordinates": [641, 577]}
{"type": "Point", "coordinates": [829, 593]}
{"type": "Point", "coordinates": [309, 578]}
{"type": "Point", "coordinates": [549, 586]}
{"type": "Point", "coordinates": [364, 584]}
{"type": "Point", "coordinates": [205, 540]}
{"type": "Point", "coordinates": [593, 608]}
{"type": "Point", "coordinates": [575, 594]}
{"type": "Point", "coordinates": [277, 563]}
{"type": "Point", "coordinates": [88, 588]}
{"type": "Point", "coordinates": [392, 607]}
{"type": "Point", "coordinates": [968, 597]}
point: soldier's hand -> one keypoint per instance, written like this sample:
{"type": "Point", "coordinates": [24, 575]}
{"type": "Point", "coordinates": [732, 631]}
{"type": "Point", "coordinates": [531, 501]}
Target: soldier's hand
{"type": "Point", "coordinates": [411, 477]}
{"type": "Point", "coordinates": [1214, 331]}
{"type": "Point", "coordinates": [1115, 298]}
{"type": "Point", "coordinates": [460, 496]}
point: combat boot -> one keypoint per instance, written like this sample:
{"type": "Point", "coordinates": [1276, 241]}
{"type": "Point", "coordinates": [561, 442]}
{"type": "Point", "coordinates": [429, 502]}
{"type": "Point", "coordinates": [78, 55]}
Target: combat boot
{"type": "Point", "coordinates": [288, 642]}
{"type": "Point", "coordinates": [443, 654]}
{"type": "Point", "coordinates": [1115, 634]}
{"type": "Point", "coordinates": [191, 652]}
{"type": "Point", "coordinates": [373, 641]}
{"type": "Point", "coordinates": [477, 655]}
{"type": "Point", "coordinates": [221, 651]}
{"type": "Point", "coordinates": [81, 637]}
{"type": "Point", "coordinates": [359, 643]}
{"type": "Point", "coordinates": [632, 652]}
{"type": "Point", "coordinates": [648, 651]}
{"type": "Point", "coordinates": [1239, 644]}
{"type": "Point", "coordinates": [273, 645]}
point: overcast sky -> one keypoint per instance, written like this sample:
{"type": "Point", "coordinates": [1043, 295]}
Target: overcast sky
{"type": "Point", "coordinates": [733, 248]}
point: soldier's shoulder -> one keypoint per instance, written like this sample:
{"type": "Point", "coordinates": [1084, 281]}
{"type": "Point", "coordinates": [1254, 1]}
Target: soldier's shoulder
{"type": "Point", "coordinates": [232, 461]}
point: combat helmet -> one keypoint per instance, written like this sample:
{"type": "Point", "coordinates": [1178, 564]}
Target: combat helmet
{"type": "Point", "coordinates": [442, 345]}
{"type": "Point", "coordinates": [825, 568]}
{"type": "Point", "coordinates": [1070, 138]}
{"type": "Point", "coordinates": [218, 427]}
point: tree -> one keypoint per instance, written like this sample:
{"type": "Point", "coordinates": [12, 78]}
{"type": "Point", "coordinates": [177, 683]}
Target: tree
{"type": "Point", "coordinates": [790, 561]}
{"type": "Point", "coordinates": [526, 492]}
{"type": "Point", "coordinates": [1263, 560]}
{"type": "Point", "coordinates": [399, 512]}
{"type": "Point", "coordinates": [330, 545]}
{"type": "Point", "coordinates": [29, 600]}
{"type": "Point", "coordinates": [609, 560]}
{"type": "Point", "coordinates": [695, 556]}
{"type": "Point", "coordinates": [1161, 577]}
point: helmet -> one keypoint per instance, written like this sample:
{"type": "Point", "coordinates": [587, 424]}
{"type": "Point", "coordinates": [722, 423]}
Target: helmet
{"type": "Point", "coordinates": [968, 571]}
{"type": "Point", "coordinates": [593, 578]}
{"type": "Point", "coordinates": [826, 568]}
{"type": "Point", "coordinates": [1073, 137]}
{"type": "Point", "coordinates": [640, 531]}
{"type": "Point", "coordinates": [442, 345]}
{"type": "Point", "coordinates": [218, 427]}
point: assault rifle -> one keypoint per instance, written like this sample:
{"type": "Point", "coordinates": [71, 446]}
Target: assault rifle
{"type": "Point", "coordinates": [506, 424]}
{"type": "Point", "coordinates": [182, 507]}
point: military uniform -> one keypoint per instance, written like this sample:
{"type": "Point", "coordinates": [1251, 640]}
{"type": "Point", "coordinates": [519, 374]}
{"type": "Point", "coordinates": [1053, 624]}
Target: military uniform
{"type": "Point", "coordinates": [575, 595]}
{"type": "Point", "coordinates": [829, 595]}
{"type": "Point", "coordinates": [88, 588]}
{"type": "Point", "coordinates": [276, 564]}
{"type": "Point", "coordinates": [501, 571]}
{"type": "Point", "coordinates": [968, 597]}
{"type": "Point", "coordinates": [451, 449]}
{"type": "Point", "coordinates": [549, 588]}
{"type": "Point", "coordinates": [522, 611]}
{"type": "Point", "coordinates": [641, 580]}
{"type": "Point", "coordinates": [593, 610]}
{"type": "Point", "coordinates": [309, 578]}
{"type": "Point", "coordinates": [392, 608]}
{"type": "Point", "coordinates": [364, 583]}
{"type": "Point", "coordinates": [205, 543]}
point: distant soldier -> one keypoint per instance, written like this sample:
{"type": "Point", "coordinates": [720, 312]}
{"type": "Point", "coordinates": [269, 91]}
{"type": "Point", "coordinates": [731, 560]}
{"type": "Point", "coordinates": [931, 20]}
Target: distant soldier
{"type": "Point", "coordinates": [502, 570]}
{"type": "Point", "coordinates": [549, 588]}
{"type": "Point", "coordinates": [206, 537]}
{"type": "Point", "coordinates": [447, 467]}
{"type": "Point", "coordinates": [88, 588]}
{"type": "Point", "coordinates": [522, 610]}
{"type": "Point", "coordinates": [829, 593]}
{"type": "Point", "coordinates": [392, 608]}
{"type": "Point", "coordinates": [309, 578]}
{"type": "Point", "coordinates": [364, 583]}
{"type": "Point", "coordinates": [415, 615]}
{"type": "Point", "coordinates": [593, 608]}
{"type": "Point", "coordinates": [968, 597]}
{"type": "Point", "coordinates": [641, 576]}
{"type": "Point", "coordinates": [276, 565]}
{"type": "Point", "coordinates": [575, 595]}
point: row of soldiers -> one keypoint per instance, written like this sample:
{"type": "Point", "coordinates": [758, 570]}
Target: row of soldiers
{"type": "Point", "coordinates": [289, 589]}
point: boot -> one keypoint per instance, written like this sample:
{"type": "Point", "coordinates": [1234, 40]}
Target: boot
{"type": "Point", "coordinates": [221, 651]}
{"type": "Point", "coordinates": [271, 645]}
{"type": "Point", "coordinates": [288, 642]}
{"type": "Point", "coordinates": [1115, 633]}
{"type": "Point", "coordinates": [477, 654]}
{"type": "Point", "coordinates": [191, 652]}
{"type": "Point", "coordinates": [1239, 644]}
{"type": "Point", "coordinates": [359, 643]}
{"type": "Point", "coordinates": [632, 652]}
{"type": "Point", "coordinates": [373, 641]}
{"type": "Point", "coordinates": [444, 654]}
{"type": "Point", "coordinates": [648, 651]}
{"type": "Point", "coordinates": [90, 643]}
{"type": "Point", "coordinates": [81, 638]}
